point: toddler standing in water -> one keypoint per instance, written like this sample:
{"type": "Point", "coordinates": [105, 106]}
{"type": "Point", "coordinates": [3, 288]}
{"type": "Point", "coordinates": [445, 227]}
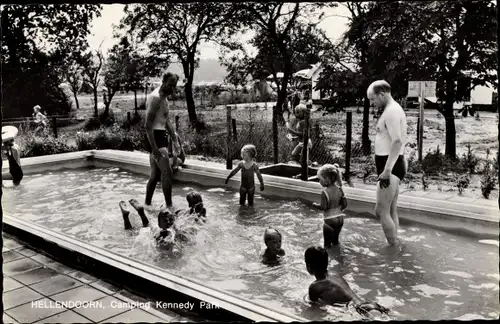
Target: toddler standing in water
{"type": "Point", "coordinates": [333, 202]}
{"type": "Point", "coordinates": [248, 169]}
{"type": "Point", "coordinates": [273, 253]}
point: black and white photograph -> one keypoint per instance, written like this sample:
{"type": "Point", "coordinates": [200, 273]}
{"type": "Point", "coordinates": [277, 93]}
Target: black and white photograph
{"type": "Point", "coordinates": [232, 161]}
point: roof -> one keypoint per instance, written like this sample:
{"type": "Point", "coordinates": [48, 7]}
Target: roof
{"type": "Point", "coordinates": [308, 73]}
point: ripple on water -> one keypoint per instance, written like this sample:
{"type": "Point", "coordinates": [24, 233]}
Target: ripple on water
{"type": "Point", "coordinates": [485, 286]}
{"type": "Point", "coordinates": [428, 291]}
{"type": "Point", "coordinates": [469, 317]}
{"type": "Point", "coordinates": [491, 242]}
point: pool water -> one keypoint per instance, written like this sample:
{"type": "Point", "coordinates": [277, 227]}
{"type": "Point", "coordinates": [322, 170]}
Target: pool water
{"type": "Point", "coordinates": [432, 275]}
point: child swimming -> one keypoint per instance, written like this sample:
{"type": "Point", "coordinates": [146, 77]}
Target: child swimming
{"type": "Point", "coordinates": [332, 290]}
{"type": "Point", "coordinates": [248, 168]}
{"type": "Point", "coordinates": [273, 253]}
{"type": "Point", "coordinates": [333, 202]}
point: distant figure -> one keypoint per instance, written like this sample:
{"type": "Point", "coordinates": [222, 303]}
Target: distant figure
{"type": "Point", "coordinates": [273, 253]}
{"type": "Point", "coordinates": [14, 158]}
{"type": "Point", "coordinates": [40, 119]}
{"type": "Point", "coordinates": [296, 133]}
{"type": "Point", "coordinates": [158, 130]}
{"type": "Point", "coordinates": [332, 290]}
{"type": "Point", "coordinates": [333, 203]}
{"type": "Point", "coordinates": [248, 169]}
{"type": "Point", "coordinates": [389, 156]}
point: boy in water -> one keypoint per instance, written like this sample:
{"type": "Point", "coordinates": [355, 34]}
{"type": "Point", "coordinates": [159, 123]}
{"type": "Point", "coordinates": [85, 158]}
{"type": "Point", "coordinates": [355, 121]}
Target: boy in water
{"type": "Point", "coordinates": [332, 290]}
{"type": "Point", "coordinates": [332, 203]}
{"type": "Point", "coordinates": [248, 169]}
{"type": "Point", "coordinates": [273, 253]}
{"type": "Point", "coordinates": [296, 134]}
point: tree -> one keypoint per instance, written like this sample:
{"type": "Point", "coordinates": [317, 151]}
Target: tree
{"type": "Point", "coordinates": [93, 63]}
{"type": "Point", "coordinates": [113, 76]}
{"type": "Point", "coordinates": [274, 23]}
{"type": "Point", "coordinates": [177, 30]}
{"type": "Point", "coordinates": [30, 66]}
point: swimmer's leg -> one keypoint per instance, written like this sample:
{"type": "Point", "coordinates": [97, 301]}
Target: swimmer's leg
{"type": "Point", "coordinates": [385, 196]}
{"type": "Point", "coordinates": [125, 213]}
{"type": "Point", "coordinates": [251, 193]}
{"type": "Point", "coordinates": [154, 178]}
{"type": "Point", "coordinates": [243, 196]}
{"type": "Point", "coordinates": [339, 223]}
{"type": "Point", "coordinates": [394, 209]}
{"type": "Point", "coordinates": [140, 210]}
{"type": "Point", "coordinates": [328, 234]}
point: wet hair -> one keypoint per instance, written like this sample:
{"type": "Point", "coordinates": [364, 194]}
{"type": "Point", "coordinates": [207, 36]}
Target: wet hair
{"type": "Point", "coordinates": [165, 219]}
{"type": "Point", "coordinates": [300, 111]}
{"type": "Point", "coordinates": [270, 233]}
{"type": "Point", "coordinates": [169, 75]}
{"type": "Point", "coordinates": [316, 258]}
{"type": "Point", "coordinates": [330, 173]}
{"type": "Point", "coordinates": [250, 149]}
{"type": "Point", "coordinates": [379, 86]}
{"type": "Point", "coordinates": [195, 203]}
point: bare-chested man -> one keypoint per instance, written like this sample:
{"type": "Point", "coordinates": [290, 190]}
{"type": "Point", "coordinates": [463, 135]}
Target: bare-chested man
{"type": "Point", "coordinates": [389, 159]}
{"type": "Point", "coordinates": [158, 130]}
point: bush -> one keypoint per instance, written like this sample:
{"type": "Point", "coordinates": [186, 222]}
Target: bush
{"type": "Point", "coordinates": [462, 183]}
{"type": "Point", "coordinates": [469, 161]}
{"type": "Point", "coordinates": [435, 163]}
{"type": "Point", "coordinates": [488, 179]}
{"type": "Point", "coordinates": [45, 145]}
{"type": "Point", "coordinates": [111, 138]}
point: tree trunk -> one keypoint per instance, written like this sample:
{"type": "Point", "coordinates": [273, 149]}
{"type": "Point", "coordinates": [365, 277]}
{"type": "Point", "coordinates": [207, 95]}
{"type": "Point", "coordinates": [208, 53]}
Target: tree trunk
{"type": "Point", "coordinates": [76, 100]}
{"type": "Point", "coordinates": [96, 112]}
{"type": "Point", "coordinates": [279, 106]}
{"type": "Point", "coordinates": [135, 101]}
{"type": "Point", "coordinates": [188, 91]}
{"type": "Point", "coordinates": [366, 144]}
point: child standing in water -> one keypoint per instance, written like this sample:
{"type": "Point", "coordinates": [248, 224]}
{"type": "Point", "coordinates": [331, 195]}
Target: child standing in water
{"type": "Point", "coordinates": [248, 169]}
{"type": "Point", "coordinates": [332, 290]}
{"type": "Point", "coordinates": [333, 202]}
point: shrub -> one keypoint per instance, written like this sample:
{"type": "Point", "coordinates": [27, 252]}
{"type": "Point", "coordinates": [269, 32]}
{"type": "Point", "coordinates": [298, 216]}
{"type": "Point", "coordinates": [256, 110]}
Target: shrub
{"type": "Point", "coordinates": [469, 161]}
{"type": "Point", "coordinates": [462, 183]}
{"type": "Point", "coordinates": [111, 138]}
{"type": "Point", "coordinates": [488, 179]}
{"type": "Point", "coordinates": [413, 164]}
{"type": "Point", "coordinates": [425, 184]}
{"type": "Point", "coordinates": [45, 145]}
{"type": "Point", "coordinates": [435, 163]}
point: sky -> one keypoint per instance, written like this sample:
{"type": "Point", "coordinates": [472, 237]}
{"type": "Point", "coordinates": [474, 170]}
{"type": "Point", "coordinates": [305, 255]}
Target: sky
{"type": "Point", "coordinates": [102, 28]}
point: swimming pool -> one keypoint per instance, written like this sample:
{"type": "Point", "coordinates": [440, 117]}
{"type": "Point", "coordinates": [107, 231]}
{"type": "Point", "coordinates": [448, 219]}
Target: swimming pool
{"type": "Point", "coordinates": [435, 275]}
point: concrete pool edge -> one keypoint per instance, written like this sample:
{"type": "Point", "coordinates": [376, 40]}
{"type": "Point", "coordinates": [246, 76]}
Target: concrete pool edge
{"type": "Point", "coordinates": [149, 280]}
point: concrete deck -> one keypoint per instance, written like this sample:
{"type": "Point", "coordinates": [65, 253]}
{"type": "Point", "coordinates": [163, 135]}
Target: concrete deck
{"type": "Point", "coordinates": [33, 283]}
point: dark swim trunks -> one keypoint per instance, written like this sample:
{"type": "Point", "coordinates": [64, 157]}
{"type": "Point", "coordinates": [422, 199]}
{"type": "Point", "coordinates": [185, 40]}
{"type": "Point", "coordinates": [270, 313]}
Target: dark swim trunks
{"type": "Point", "coordinates": [161, 139]}
{"type": "Point", "coordinates": [15, 169]}
{"type": "Point", "coordinates": [399, 169]}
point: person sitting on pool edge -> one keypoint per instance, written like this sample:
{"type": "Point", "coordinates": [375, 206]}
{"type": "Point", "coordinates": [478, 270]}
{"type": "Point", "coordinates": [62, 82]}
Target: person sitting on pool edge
{"type": "Point", "coordinates": [333, 203]}
{"type": "Point", "coordinates": [332, 290]}
{"type": "Point", "coordinates": [248, 168]}
{"type": "Point", "coordinates": [273, 253]}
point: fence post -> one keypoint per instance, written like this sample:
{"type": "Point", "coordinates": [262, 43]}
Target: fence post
{"type": "Point", "coordinates": [229, 161]}
{"type": "Point", "coordinates": [235, 135]}
{"type": "Point", "coordinates": [54, 125]}
{"type": "Point", "coordinates": [418, 130]}
{"type": "Point", "coordinates": [177, 123]}
{"type": "Point", "coordinates": [275, 136]}
{"type": "Point", "coordinates": [129, 118]}
{"type": "Point", "coordinates": [348, 142]}
{"type": "Point", "coordinates": [305, 167]}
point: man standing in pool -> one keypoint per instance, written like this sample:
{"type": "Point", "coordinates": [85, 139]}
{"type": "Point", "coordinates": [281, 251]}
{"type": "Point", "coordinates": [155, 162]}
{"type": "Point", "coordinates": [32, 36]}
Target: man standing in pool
{"type": "Point", "coordinates": [389, 159]}
{"type": "Point", "coordinates": [158, 130]}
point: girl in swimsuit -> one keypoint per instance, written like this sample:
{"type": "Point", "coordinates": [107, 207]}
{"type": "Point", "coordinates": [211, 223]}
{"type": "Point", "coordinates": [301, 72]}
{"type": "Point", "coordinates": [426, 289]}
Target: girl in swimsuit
{"type": "Point", "coordinates": [248, 169]}
{"type": "Point", "coordinates": [333, 203]}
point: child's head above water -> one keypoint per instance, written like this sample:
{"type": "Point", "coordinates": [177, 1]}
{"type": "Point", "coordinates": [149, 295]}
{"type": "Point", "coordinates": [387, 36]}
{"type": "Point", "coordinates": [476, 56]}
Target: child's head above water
{"type": "Point", "coordinates": [165, 219]}
{"type": "Point", "coordinates": [272, 239]}
{"type": "Point", "coordinates": [300, 111]}
{"type": "Point", "coordinates": [316, 259]}
{"type": "Point", "coordinates": [248, 152]}
{"type": "Point", "coordinates": [329, 174]}
{"type": "Point", "coordinates": [195, 203]}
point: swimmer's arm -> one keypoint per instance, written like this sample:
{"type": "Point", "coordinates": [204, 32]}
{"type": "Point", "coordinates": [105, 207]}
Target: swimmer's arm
{"type": "Point", "coordinates": [323, 205]}
{"type": "Point", "coordinates": [259, 175]}
{"type": "Point", "coordinates": [234, 171]}
{"type": "Point", "coordinates": [313, 294]}
{"type": "Point", "coordinates": [152, 110]}
{"type": "Point", "coordinates": [393, 125]}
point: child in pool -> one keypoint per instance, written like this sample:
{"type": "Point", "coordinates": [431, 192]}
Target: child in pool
{"type": "Point", "coordinates": [14, 157]}
{"type": "Point", "coordinates": [273, 253]}
{"type": "Point", "coordinates": [332, 203]}
{"type": "Point", "coordinates": [248, 168]}
{"type": "Point", "coordinates": [332, 290]}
